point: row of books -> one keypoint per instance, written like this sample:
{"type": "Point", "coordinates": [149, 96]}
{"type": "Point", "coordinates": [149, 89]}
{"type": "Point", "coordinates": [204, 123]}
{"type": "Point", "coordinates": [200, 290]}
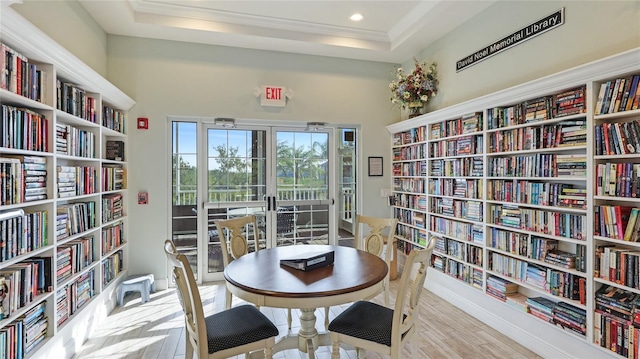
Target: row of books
{"type": "Point", "coordinates": [555, 282]}
{"type": "Point", "coordinates": [73, 257]}
{"type": "Point", "coordinates": [618, 179]}
{"type": "Point", "coordinates": [500, 288]}
{"type": "Point", "coordinates": [565, 103]}
{"type": "Point", "coordinates": [617, 222]}
{"type": "Point", "coordinates": [459, 146]}
{"type": "Point", "coordinates": [565, 315]}
{"type": "Point", "coordinates": [22, 234]}
{"type": "Point", "coordinates": [462, 251]}
{"type": "Point", "coordinates": [536, 193]}
{"type": "Point", "coordinates": [619, 265]}
{"type": "Point", "coordinates": [538, 248]}
{"type": "Point", "coordinates": [468, 123]}
{"type": "Point", "coordinates": [113, 119]}
{"type": "Point", "coordinates": [471, 210]}
{"type": "Point", "coordinates": [463, 231]}
{"type": "Point", "coordinates": [413, 185]}
{"type": "Point", "coordinates": [112, 237]}
{"type": "Point", "coordinates": [562, 134]}
{"type": "Point", "coordinates": [73, 296]}
{"type": "Point", "coordinates": [74, 100]}
{"type": "Point", "coordinates": [408, 201]}
{"type": "Point", "coordinates": [111, 267]}
{"type": "Point", "coordinates": [461, 167]}
{"type": "Point", "coordinates": [622, 94]}
{"type": "Point", "coordinates": [19, 76]}
{"type": "Point", "coordinates": [22, 336]}
{"type": "Point", "coordinates": [23, 129]}
{"type": "Point", "coordinates": [410, 234]}
{"type": "Point", "coordinates": [22, 179]}
{"type": "Point", "coordinates": [617, 138]}
{"type": "Point", "coordinates": [617, 320]}
{"type": "Point", "coordinates": [75, 218]}
{"type": "Point", "coordinates": [538, 165]}
{"type": "Point", "coordinates": [458, 270]}
{"type": "Point", "coordinates": [616, 335]}
{"type": "Point", "coordinates": [76, 180]}
{"type": "Point", "coordinates": [414, 135]}
{"type": "Point", "coordinates": [405, 215]}
{"type": "Point", "coordinates": [568, 225]}
{"type": "Point", "coordinates": [412, 169]}
{"type": "Point", "coordinates": [412, 152]}
{"type": "Point", "coordinates": [72, 141]}
{"type": "Point", "coordinates": [20, 283]}
{"type": "Point", "coordinates": [112, 207]}
{"type": "Point", "coordinates": [456, 187]}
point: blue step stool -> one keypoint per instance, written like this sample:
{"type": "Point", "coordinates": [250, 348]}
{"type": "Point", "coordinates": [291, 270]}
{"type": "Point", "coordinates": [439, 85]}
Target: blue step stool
{"type": "Point", "coordinates": [144, 284]}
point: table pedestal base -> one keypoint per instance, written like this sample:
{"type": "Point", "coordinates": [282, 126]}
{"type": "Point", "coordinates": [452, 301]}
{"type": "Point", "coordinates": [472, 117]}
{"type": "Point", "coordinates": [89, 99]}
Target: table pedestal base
{"type": "Point", "coordinates": [307, 340]}
{"type": "Point", "coordinates": [308, 335]}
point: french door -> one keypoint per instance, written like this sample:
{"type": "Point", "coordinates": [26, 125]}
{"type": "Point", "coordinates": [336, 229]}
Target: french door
{"type": "Point", "coordinates": [280, 174]}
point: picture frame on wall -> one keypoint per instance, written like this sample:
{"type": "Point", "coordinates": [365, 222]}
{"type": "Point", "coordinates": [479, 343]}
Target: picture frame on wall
{"type": "Point", "coordinates": [375, 166]}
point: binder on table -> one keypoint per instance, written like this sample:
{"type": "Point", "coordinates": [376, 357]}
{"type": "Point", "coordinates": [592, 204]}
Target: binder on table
{"type": "Point", "coordinates": [309, 261]}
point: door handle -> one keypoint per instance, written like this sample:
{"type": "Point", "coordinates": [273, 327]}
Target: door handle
{"type": "Point", "coordinates": [274, 202]}
{"type": "Point", "coordinates": [268, 204]}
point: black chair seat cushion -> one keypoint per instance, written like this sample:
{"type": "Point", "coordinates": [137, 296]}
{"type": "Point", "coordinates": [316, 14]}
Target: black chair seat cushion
{"type": "Point", "coordinates": [237, 326]}
{"type": "Point", "coordinates": [365, 320]}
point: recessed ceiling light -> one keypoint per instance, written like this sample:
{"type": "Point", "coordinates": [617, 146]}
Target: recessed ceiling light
{"type": "Point", "coordinates": [356, 17]}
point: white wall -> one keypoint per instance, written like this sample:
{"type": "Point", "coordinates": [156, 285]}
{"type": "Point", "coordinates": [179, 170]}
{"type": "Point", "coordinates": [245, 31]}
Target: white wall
{"type": "Point", "coordinates": [70, 25]}
{"type": "Point", "coordinates": [592, 30]}
{"type": "Point", "coordinates": [172, 78]}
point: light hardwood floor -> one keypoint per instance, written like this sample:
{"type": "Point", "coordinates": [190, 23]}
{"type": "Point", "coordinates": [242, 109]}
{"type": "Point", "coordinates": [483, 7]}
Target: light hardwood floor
{"type": "Point", "coordinates": [156, 330]}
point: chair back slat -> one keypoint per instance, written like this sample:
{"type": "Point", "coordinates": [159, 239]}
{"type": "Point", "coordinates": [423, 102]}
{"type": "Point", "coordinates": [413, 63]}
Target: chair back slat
{"type": "Point", "coordinates": [234, 237]}
{"type": "Point", "coordinates": [372, 238]}
{"type": "Point", "coordinates": [189, 297]}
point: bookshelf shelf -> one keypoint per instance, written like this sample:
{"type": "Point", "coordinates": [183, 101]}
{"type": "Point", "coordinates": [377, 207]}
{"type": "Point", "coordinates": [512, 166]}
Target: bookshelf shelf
{"type": "Point", "coordinates": [549, 184]}
{"type": "Point", "coordinates": [41, 138]}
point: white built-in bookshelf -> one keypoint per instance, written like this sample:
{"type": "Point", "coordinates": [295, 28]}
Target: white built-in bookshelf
{"type": "Point", "coordinates": [63, 193]}
{"type": "Point", "coordinates": [532, 196]}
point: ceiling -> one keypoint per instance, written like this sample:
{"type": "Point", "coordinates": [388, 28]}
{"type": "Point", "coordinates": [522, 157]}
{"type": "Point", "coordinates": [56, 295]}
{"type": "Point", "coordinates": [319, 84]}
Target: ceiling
{"type": "Point", "coordinates": [391, 31]}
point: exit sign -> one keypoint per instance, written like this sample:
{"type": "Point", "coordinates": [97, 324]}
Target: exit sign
{"type": "Point", "coordinates": [273, 96]}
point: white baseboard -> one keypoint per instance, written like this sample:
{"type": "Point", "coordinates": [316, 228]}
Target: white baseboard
{"type": "Point", "coordinates": [542, 338]}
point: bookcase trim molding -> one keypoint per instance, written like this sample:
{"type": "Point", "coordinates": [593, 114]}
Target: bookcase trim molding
{"type": "Point", "coordinates": [611, 66]}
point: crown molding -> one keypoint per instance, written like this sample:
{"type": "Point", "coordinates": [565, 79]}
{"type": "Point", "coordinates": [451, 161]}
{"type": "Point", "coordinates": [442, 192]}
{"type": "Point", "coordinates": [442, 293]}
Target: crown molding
{"type": "Point", "coordinates": [25, 37]}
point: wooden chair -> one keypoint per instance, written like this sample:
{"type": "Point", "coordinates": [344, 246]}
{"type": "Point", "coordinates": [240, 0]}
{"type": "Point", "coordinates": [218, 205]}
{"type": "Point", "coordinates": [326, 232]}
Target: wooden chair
{"type": "Point", "coordinates": [233, 234]}
{"type": "Point", "coordinates": [370, 326]}
{"type": "Point", "coordinates": [242, 329]}
{"type": "Point", "coordinates": [235, 244]}
{"type": "Point", "coordinates": [373, 240]}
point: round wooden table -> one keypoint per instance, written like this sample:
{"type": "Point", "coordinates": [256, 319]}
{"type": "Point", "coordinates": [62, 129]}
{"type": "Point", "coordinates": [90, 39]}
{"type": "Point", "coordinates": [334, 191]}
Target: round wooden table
{"type": "Point", "coordinates": [259, 278]}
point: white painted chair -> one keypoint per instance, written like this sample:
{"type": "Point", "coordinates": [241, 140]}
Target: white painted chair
{"type": "Point", "coordinates": [233, 234]}
{"type": "Point", "coordinates": [370, 326]}
{"type": "Point", "coordinates": [369, 237]}
{"type": "Point", "coordinates": [229, 333]}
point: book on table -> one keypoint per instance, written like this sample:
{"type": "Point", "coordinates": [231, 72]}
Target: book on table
{"type": "Point", "coordinates": [309, 261]}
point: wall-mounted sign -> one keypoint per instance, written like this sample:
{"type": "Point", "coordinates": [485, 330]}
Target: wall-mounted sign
{"type": "Point", "coordinates": [543, 25]}
{"type": "Point", "coordinates": [273, 96]}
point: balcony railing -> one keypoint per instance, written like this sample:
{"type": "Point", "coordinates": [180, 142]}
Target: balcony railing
{"type": "Point", "coordinates": [186, 195]}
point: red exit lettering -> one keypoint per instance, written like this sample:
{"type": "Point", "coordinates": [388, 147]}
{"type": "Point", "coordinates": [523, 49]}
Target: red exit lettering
{"type": "Point", "coordinates": [273, 93]}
